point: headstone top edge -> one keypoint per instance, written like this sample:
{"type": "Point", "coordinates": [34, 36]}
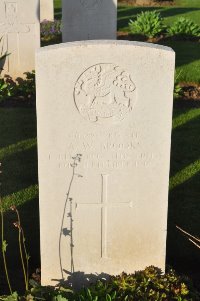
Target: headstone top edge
{"type": "Point", "coordinates": [104, 43]}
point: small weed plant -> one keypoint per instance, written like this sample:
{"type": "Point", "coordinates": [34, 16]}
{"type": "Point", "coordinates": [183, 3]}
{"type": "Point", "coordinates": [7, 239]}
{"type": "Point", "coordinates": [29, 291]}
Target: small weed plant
{"type": "Point", "coordinates": [21, 89]}
{"type": "Point", "coordinates": [184, 27]}
{"type": "Point", "coordinates": [50, 29]}
{"type": "Point", "coordinates": [147, 285]}
{"type": "Point", "coordinates": [149, 24]}
{"type": "Point", "coordinates": [22, 248]}
{"type": "Point", "coordinates": [3, 55]}
{"type": "Point", "coordinates": [178, 90]}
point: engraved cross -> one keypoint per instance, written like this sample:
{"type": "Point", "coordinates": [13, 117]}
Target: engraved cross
{"type": "Point", "coordinates": [12, 26]}
{"type": "Point", "coordinates": [104, 206]}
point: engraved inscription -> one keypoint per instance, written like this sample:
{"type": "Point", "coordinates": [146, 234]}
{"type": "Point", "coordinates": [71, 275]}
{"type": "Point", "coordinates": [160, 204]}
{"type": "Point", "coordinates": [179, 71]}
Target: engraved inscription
{"type": "Point", "coordinates": [104, 93]}
{"type": "Point", "coordinates": [104, 206]}
{"type": "Point", "coordinates": [90, 4]}
{"type": "Point", "coordinates": [12, 24]}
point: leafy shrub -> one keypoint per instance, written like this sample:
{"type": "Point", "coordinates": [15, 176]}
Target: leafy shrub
{"type": "Point", "coordinates": [3, 55]}
{"type": "Point", "coordinates": [147, 285]}
{"type": "Point", "coordinates": [5, 89]}
{"type": "Point", "coordinates": [149, 24]}
{"type": "Point", "coordinates": [178, 90]}
{"type": "Point", "coordinates": [50, 29]}
{"type": "Point", "coordinates": [26, 87]}
{"type": "Point", "coordinates": [184, 27]}
{"type": "Point", "coordinates": [21, 89]}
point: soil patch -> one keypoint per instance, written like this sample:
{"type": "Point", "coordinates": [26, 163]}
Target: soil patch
{"type": "Point", "coordinates": [191, 91]}
{"type": "Point", "coordinates": [146, 3]}
{"type": "Point", "coordinates": [121, 35]}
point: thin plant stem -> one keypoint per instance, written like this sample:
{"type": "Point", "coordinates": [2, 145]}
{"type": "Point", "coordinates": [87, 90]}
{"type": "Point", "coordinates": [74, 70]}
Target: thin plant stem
{"type": "Point", "coordinates": [72, 241]}
{"type": "Point", "coordinates": [198, 246]}
{"type": "Point", "coordinates": [3, 242]}
{"type": "Point", "coordinates": [188, 234]}
{"type": "Point", "coordinates": [193, 239]}
{"type": "Point", "coordinates": [27, 258]}
{"type": "Point", "coordinates": [20, 249]}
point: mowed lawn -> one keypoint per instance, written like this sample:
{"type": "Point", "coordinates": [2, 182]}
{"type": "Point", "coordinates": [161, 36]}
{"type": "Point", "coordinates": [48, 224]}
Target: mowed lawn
{"type": "Point", "coordinates": [182, 8]}
{"type": "Point", "coordinates": [18, 155]}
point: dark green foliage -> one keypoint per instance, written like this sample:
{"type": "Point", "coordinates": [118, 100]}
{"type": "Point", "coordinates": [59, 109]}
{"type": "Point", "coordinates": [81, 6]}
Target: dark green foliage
{"type": "Point", "coordinates": [50, 32]}
{"type": "Point", "coordinates": [6, 89]}
{"type": "Point", "coordinates": [26, 87]}
{"type": "Point", "coordinates": [149, 24]}
{"type": "Point", "coordinates": [3, 55]}
{"type": "Point", "coordinates": [178, 90]}
{"type": "Point", "coordinates": [21, 89]}
{"type": "Point", "coordinates": [184, 27]}
{"type": "Point", "coordinates": [148, 285]}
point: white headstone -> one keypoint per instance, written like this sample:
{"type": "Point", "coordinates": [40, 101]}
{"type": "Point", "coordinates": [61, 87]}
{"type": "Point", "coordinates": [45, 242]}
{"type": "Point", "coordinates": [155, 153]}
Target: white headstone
{"type": "Point", "coordinates": [20, 29]}
{"type": "Point", "coordinates": [46, 10]}
{"type": "Point", "coordinates": [111, 102]}
{"type": "Point", "coordinates": [89, 20]}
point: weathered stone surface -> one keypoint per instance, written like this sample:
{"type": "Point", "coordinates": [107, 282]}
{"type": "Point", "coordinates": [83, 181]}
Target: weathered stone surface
{"type": "Point", "coordinates": [89, 19]}
{"type": "Point", "coordinates": [20, 29]}
{"type": "Point", "coordinates": [111, 102]}
{"type": "Point", "coordinates": [46, 10]}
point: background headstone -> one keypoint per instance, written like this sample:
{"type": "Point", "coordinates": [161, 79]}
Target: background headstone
{"type": "Point", "coordinates": [20, 29]}
{"type": "Point", "coordinates": [111, 102]}
{"type": "Point", "coordinates": [89, 20]}
{"type": "Point", "coordinates": [46, 10]}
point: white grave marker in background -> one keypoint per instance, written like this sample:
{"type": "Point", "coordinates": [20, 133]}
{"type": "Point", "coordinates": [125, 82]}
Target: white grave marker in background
{"type": "Point", "coordinates": [106, 211]}
{"type": "Point", "coordinates": [46, 10]}
{"type": "Point", "coordinates": [89, 19]}
{"type": "Point", "coordinates": [20, 29]}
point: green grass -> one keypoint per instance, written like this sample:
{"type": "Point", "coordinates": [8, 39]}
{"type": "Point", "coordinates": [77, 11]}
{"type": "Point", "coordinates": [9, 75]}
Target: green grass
{"type": "Point", "coordinates": [189, 9]}
{"type": "Point", "coordinates": [184, 194]}
{"type": "Point", "coordinates": [18, 154]}
{"type": "Point", "coordinates": [187, 60]}
{"type": "Point", "coordinates": [19, 157]}
{"type": "Point", "coordinates": [57, 9]}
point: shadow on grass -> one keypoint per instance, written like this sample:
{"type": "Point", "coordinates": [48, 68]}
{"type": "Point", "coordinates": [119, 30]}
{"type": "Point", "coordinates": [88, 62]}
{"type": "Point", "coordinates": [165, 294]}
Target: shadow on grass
{"type": "Point", "coordinates": [186, 51]}
{"type": "Point", "coordinates": [58, 13]}
{"type": "Point", "coordinates": [184, 205]}
{"type": "Point", "coordinates": [185, 142]}
{"type": "Point", "coordinates": [184, 210]}
{"type": "Point", "coordinates": [18, 155]}
{"type": "Point", "coordinates": [17, 124]}
{"type": "Point", "coordinates": [29, 213]}
{"type": "Point", "coordinates": [125, 13]}
{"type": "Point", "coordinates": [19, 172]}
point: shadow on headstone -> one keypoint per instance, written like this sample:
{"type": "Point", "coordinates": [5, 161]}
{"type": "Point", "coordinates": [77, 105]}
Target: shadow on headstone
{"type": "Point", "coordinates": [78, 280]}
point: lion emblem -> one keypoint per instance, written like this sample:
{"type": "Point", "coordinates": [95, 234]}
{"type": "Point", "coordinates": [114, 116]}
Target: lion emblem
{"type": "Point", "coordinates": [104, 91]}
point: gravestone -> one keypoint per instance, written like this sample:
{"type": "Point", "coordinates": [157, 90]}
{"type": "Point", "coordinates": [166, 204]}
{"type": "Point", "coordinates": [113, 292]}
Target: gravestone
{"type": "Point", "coordinates": [104, 113]}
{"type": "Point", "coordinates": [46, 10]}
{"type": "Point", "coordinates": [88, 20]}
{"type": "Point", "coordinates": [20, 32]}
